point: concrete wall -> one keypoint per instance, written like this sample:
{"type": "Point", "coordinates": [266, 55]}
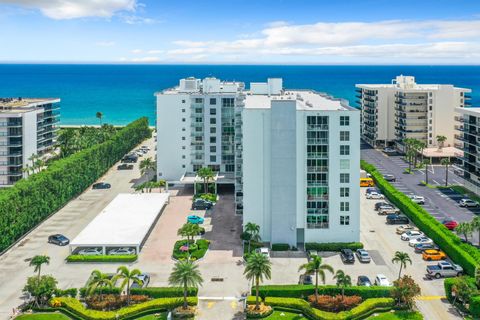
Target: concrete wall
{"type": "Point", "coordinates": [29, 132]}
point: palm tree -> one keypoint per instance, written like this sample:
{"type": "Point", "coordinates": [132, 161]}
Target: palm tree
{"type": "Point", "coordinates": [206, 174]}
{"type": "Point", "coordinates": [37, 263]}
{"type": "Point", "coordinates": [98, 280]}
{"type": "Point", "coordinates": [402, 258]}
{"type": "Point", "coordinates": [34, 158]}
{"type": "Point", "coordinates": [316, 267]}
{"type": "Point", "coordinates": [99, 116]}
{"type": "Point", "coordinates": [129, 277]}
{"type": "Point", "coordinates": [441, 141]}
{"type": "Point", "coordinates": [253, 231]}
{"type": "Point", "coordinates": [476, 225]}
{"type": "Point", "coordinates": [343, 281]}
{"type": "Point", "coordinates": [189, 230]}
{"type": "Point", "coordinates": [185, 275]}
{"type": "Point", "coordinates": [465, 229]}
{"type": "Point", "coordinates": [258, 266]}
{"type": "Point", "coordinates": [146, 165]}
{"type": "Point", "coordinates": [445, 162]}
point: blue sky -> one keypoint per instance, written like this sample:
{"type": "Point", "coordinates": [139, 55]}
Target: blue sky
{"type": "Point", "coordinates": [261, 31]}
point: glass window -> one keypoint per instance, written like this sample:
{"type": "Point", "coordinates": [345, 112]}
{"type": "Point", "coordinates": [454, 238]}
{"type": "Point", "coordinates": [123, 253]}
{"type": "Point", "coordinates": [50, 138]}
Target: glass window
{"type": "Point", "coordinates": [183, 110]}
{"type": "Point", "coordinates": [183, 119]}
{"type": "Point", "coordinates": [213, 130]}
{"type": "Point", "coordinates": [344, 150]}
{"type": "Point", "coordinates": [213, 111]}
{"type": "Point", "coordinates": [344, 206]}
{"type": "Point", "coordinates": [213, 149]}
{"type": "Point", "coordinates": [198, 100]}
{"type": "Point", "coordinates": [213, 158]}
{"type": "Point", "coordinates": [344, 135]}
{"type": "Point", "coordinates": [183, 101]}
{"type": "Point", "coordinates": [183, 138]}
{"type": "Point", "coordinates": [344, 177]}
{"type": "Point", "coordinates": [344, 192]}
{"type": "Point", "coordinates": [213, 121]}
{"type": "Point", "coordinates": [344, 120]}
{"type": "Point", "coordinates": [213, 139]}
{"type": "Point", "coordinates": [183, 156]}
{"type": "Point", "coordinates": [213, 101]}
{"type": "Point", "coordinates": [344, 220]}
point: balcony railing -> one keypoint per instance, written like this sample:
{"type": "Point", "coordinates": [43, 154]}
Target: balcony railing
{"type": "Point", "coordinates": [317, 126]}
{"type": "Point", "coordinates": [317, 155]}
{"type": "Point", "coordinates": [317, 169]}
{"type": "Point", "coordinates": [317, 141]}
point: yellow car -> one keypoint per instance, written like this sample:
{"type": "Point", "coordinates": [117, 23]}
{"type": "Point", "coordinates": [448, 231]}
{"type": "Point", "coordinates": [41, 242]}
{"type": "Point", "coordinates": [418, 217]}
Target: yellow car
{"type": "Point", "coordinates": [433, 254]}
{"type": "Point", "coordinates": [366, 182]}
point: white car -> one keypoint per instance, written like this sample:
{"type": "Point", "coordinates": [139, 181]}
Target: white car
{"type": "Point", "coordinates": [410, 235]}
{"type": "Point", "coordinates": [264, 251]}
{"type": "Point", "coordinates": [467, 203]}
{"type": "Point", "coordinates": [375, 195]}
{"type": "Point", "coordinates": [405, 228]}
{"type": "Point", "coordinates": [421, 240]}
{"type": "Point", "coordinates": [417, 199]}
{"type": "Point", "coordinates": [381, 280]}
{"type": "Point", "coordinates": [91, 252]}
{"type": "Point", "coordinates": [121, 251]}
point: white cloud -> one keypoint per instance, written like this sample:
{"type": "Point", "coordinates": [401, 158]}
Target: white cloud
{"type": "Point", "coordinates": [137, 51]}
{"type": "Point", "coordinates": [105, 43]}
{"type": "Point", "coordinates": [146, 59]}
{"type": "Point", "coordinates": [134, 19]}
{"type": "Point", "coordinates": [71, 9]}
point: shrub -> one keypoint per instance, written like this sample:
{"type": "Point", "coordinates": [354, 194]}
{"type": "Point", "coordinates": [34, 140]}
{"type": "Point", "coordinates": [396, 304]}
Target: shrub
{"type": "Point", "coordinates": [41, 288]}
{"type": "Point", "coordinates": [163, 292]}
{"type": "Point", "coordinates": [203, 243]}
{"type": "Point", "coordinates": [208, 196]}
{"type": "Point", "coordinates": [280, 247]}
{"type": "Point", "coordinates": [303, 291]}
{"type": "Point", "coordinates": [113, 290]}
{"type": "Point", "coordinates": [333, 246]}
{"type": "Point", "coordinates": [102, 258]}
{"type": "Point", "coordinates": [31, 200]}
{"type": "Point", "coordinates": [72, 292]}
{"type": "Point", "coordinates": [474, 307]}
{"type": "Point", "coordinates": [263, 311]}
{"type": "Point", "coordinates": [112, 302]}
{"type": "Point", "coordinates": [335, 303]}
{"type": "Point", "coordinates": [196, 250]}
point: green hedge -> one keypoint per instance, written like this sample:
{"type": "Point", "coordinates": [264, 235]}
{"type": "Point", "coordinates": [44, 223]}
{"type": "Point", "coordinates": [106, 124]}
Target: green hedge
{"type": "Point", "coordinates": [333, 246]}
{"type": "Point", "coordinates": [31, 200]}
{"type": "Point", "coordinates": [302, 291]}
{"type": "Point", "coordinates": [361, 311]}
{"type": "Point", "coordinates": [464, 254]}
{"type": "Point", "coordinates": [163, 292]}
{"type": "Point", "coordinates": [76, 307]}
{"type": "Point", "coordinates": [72, 292]}
{"type": "Point", "coordinates": [113, 290]}
{"type": "Point", "coordinates": [280, 247]}
{"type": "Point", "coordinates": [474, 307]}
{"type": "Point", "coordinates": [102, 258]}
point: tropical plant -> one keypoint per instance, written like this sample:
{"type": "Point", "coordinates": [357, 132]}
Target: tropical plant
{"type": "Point", "coordinates": [445, 162]}
{"type": "Point", "coordinates": [463, 290]}
{"type": "Point", "coordinates": [258, 267]}
{"type": "Point", "coordinates": [343, 281]}
{"type": "Point", "coordinates": [41, 288]}
{"type": "Point", "coordinates": [129, 277]}
{"type": "Point", "coordinates": [206, 174]}
{"type": "Point", "coordinates": [441, 142]}
{"type": "Point", "coordinates": [147, 165]}
{"type": "Point", "coordinates": [99, 116]}
{"type": "Point", "coordinates": [253, 231]}
{"type": "Point", "coordinates": [477, 276]}
{"type": "Point", "coordinates": [98, 280]}
{"type": "Point", "coordinates": [402, 258]}
{"type": "Point", "coordinates": [189, 231]}
{"type": "Point", "coordinates": [37, 262]}
{"type": "Point", "coordinates": [315, 266]}
{"type": "Point", "coordinates": [185, 275]}
{"type": "Point", "coordinates": [405, 290]}
{"type": "Point", "coordinates": [465, 229]}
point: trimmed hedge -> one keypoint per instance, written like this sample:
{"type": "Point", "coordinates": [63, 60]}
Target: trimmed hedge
{"type": "Point", "coordinates": [464, 254]}
{"type": "Point", "coordinates": [361, 311]}
{"type": "Point", "coordinates": [333, 246]}
{"type": "Point", "coordinates": [113, 290]}
{"type": "Point", "coordinates": [474, 307]}
{"type": "Point", "coordinates": [302, 291]}
{"type": "Point", "coordinates": [163, 292]}
{"type": "Point", "coordinates": [30, 201]}
{"type": "Point", "coordinates": [280, 247]}
{"type": "Point", "coordinates": [102, 258]}
{"type": "Point", "coordinates": [76, 307]}
{"type": "Point", "coordinates": [72, 292]}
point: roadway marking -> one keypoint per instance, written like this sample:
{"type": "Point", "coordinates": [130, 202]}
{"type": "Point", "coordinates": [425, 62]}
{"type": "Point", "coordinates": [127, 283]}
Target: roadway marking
{"type": "Point", "coordinates": [234, 304]}
{"type": "Point", "coordinates": [210, 305]}
{"type": "Point", "coordinates": [428, 298]}
{"type": "Point", "coordinates": [435, 181]}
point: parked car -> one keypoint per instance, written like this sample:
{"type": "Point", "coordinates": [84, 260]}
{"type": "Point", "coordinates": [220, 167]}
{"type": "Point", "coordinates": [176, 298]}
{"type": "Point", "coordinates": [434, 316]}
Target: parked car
{"type": "Point", "coordinates": [444, 270]}
{"type": "Point", "coordinates": [412, 234]}
{"type": "Point", "coordinates": [145, 147]}
{"type": "Point", "coordinates": [121, 251]}
{"type": "Point", "coordinates": [405, 228]}
{"type": "Point", "coordinates": [145, 278]}
{"type": "Point", "coordinates": [305, 279]}
{"type": "Point", "coordinates": [389, 177]}
{"type": "Point", "coordinates": [363, 281]}
{"type": "Point", "coordinates": [263, 250]}
{"type": "Point", "coordinates": [375, 195]}
{"type": "Point", "coordinates": [125, 166]}
{"type": "Point", "coordinates": [419, 248]}
{"type": "Point", "coordinates": [370, 190]}
{"type": "Point", "coordinates": [101, 185]}
{"type": "Point", "coordinates": [130, 158]}
{"type": "Point", "coordinates": [432, 254]}
{"type": "Point", "coordinates": [201, 204]}
{"type": "Point", "coordinates": [397, 219]}
{"type": "Point", "coordinates": [419, 240]}
{"type": "Point", "coordinates": [378, 205]}
{"type": "Point", "coordinates": [90, 252]}
{"type": "Point", "coordinates": [381, 280]}
{"type": "Point", "coordinates": [417, 199]}
{"type": "Point", "coordinates": [387, 210]}
{"type": "Point", "coordinates": [347, 256]}
{"type": "Point", "coordinates": [469, 203]}
{"type": "Point", "coordinates": [363, 255]}
{"type": "Point", "coordinates": [58, 239]}
{"type": "Point", "coordinates": [450, 224]}
{"type": "Point", "coordinates": [195, 219]}
{"type": "Point", "coordinates": [388, 150]}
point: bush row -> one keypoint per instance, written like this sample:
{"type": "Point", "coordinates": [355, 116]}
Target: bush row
{"type": "Point", "coordinates": [113, 290]}
{"type": "Point", "coordinates": [474, 307]}
{"type": "Point", "coordinates": [333, 246]}
{"type": "Point", "coordinates": [163, 292]}
{"type": "Point", "coordinates": [303, 291]}
{"type": "Point", "coordinates": [102, 258]}
{"type": "Point", "coordinates": [72, 292]}
{"type": "Point", "coordinates": [465, 255]}
{"type": "Point", "coordinates": [280, 247]}
{"type": "Point", "coordinates": [31, 200]}
{"type": "Point", "coordinates": [363, 310]}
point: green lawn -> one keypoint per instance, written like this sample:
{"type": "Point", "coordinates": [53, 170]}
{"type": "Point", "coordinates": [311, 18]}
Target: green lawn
{"type": "Point", "coordinates": [283, 315]}
{"type": "Point", "coordinates": [43, 316]}
{"type": "Point", "coordinates": [399, 315]}
{"type": "Point", "coordinates": [163, 316]}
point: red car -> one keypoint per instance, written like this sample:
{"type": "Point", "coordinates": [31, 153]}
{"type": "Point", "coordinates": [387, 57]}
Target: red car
{"type": "Point", "coordinates": [450, 224]}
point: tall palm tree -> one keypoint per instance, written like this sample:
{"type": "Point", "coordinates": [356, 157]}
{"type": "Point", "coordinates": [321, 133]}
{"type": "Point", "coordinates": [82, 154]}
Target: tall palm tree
{"type": "Point", "coordinates": [37, 262]}
{"type": "Point", "coordinates": [189, 230]}
{"type": "Point", "coordinates": [402, 258]}
{"type": "Point", "coordinates": [146, 165]}
{"type": "Point", "coordinates": [206, 174]}
{"type": "Point", "coordinates": [98, 280]}
{"type": "Point", "coordinates": [476, 225]}
{"type": "Point", "coordinates": [99, 116]}
{"type": "Point", "coordinates": [185, 274]}
{"type": "Point", "coordinates": [465, 229]}
{"type": "Point", "coordinates": [441, 141]}
{"type": "Point", "coordinates": [258, 267]}
{"type": "Point", "coordinates": [253, 230]}
{"type": "Point", "coordinates": [316, 267]}
{"type": "Point", "coordinates": [343, 281]}
{"type": "Point", "coordinates": [445, 162]}
{"type": "Point", "coordinates": [129, 277]}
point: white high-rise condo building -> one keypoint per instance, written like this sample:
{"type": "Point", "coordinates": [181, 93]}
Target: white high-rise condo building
{"type": "Point", "coordinates": [27, 127]}
{"type": "Point", "coordinates": [292, 155]}
{"type": "Point", "coordinates": [405, 109]}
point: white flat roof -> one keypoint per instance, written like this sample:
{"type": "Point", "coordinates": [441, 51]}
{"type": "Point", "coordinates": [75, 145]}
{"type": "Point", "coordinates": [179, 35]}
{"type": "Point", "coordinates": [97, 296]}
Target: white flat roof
{"type": "Point", "coordinates": [124, 222]}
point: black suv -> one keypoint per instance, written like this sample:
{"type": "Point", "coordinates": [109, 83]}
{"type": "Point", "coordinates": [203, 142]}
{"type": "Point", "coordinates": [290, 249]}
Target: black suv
{"type": "Point", "coordinates": [125, 166]}
{"type": "Point", "coordinates": [347, 256]}
{"type": "Point", "coordinates": [101, 185]}
{"type": "Point", "coordinates": [201, 204]}
{"type": "Point", "coordinates": [397, 219]}
{"type": "Point", "coordinates": [131, 158]}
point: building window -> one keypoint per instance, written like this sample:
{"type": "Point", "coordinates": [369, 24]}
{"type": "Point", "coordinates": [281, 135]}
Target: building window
{"type": "Point", "coordinates": [213, 139]}
{"type": "Point", "coordinates": [344, 192]}
{"type": "Point", "coordinates": [183, 110]}
{"type": "Point", "coordinates": [183, 156]}
{"type": "Point", "coordinates": [198, 120]}
{"type": "Point", "coordinates": [344, 206]}
{"type": "Point", "coordinates": [213, 130]}
{"type": "Point", "coordinates": [345, 164]}
{"type": "Point", "coordinates": [344, 135]}
{"type": "Point", "coordinates": [183, 138]}
{"type": "Point", "coordinates": [198, 110]}
{"type": "Point", "coordinates": [198, 129]}
{"type": "Point", "coordinates": [344, 150]}
{"type": "Point", "coordinates": [183, 129]}
{"type": "Point", "coordinates": [198, 100]}
{"type": "Point", "coordinates": [198, 157]}
{"type": "Point", "coordinates": [228, 102]}
{"type": "Point", "coordinates": [198, 139]}
{"type": "Point", "coordinates": [198, 148]}
{"type": "Point", "coordinates": [344, 177]}
{"type": "Point", "coordinates": [213, 111]}
{"type": "Point", "coordinates": [213, 149]}
{"type": "Point", "coordinates": [229, 168]}
{"type": "Point", "coordinates": [213, 158]}
{"type": "Point", "coordinates": [183, 166]}
{"type": "Point", "coordinates": [344, 220]}
{"type": "Point", "coordinates": [183, 147]}
{"type": "Point", "coordinates": [183, 101]}
{"type": "Point", "coordinates": [183, 119]}
{"type": "Point", "coordinates": [213, 101]}
{"type": "Point", "coordinates": [213, 121]}
{"type": "Point", "coordinates": [344, 120]}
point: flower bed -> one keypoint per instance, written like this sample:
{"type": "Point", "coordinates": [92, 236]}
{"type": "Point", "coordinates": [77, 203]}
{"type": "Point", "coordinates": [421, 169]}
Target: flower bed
{"type": "Point", "coordinates": [334, 303]}
{"type": "Point", "coordinates": [102, 258]}
{"type": "Point", "coordinates": [196, 250]}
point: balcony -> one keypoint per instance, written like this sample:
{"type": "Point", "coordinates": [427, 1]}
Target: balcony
{"type": "Point", "coordinates": [317, 141]}
{"type": "Point", "coordinates": [459, 119]}
{"type": "Point", "coordinates": [317, 184]}
{"type": "Point", "coordinates": [317, 126]}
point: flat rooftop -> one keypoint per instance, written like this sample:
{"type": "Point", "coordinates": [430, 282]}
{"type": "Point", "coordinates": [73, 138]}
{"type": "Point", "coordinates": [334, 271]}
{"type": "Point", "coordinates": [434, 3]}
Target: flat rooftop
{"type": "Point", "coordinates": [473, 111]}
{"type": "Point", "coordinates": [307, 100]}
{"type": "Point", "coordinates": [416, 87]}
{"type": "Point", "coordinates": [17, 105]}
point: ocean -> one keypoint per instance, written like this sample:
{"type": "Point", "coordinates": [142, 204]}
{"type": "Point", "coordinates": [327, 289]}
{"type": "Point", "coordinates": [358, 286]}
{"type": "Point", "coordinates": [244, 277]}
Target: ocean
{"type": "Point", "coordinates": [126, 92]}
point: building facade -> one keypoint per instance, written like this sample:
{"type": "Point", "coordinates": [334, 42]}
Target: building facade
{"type": "Point", "coordinates": [404, 109]}
{"type": "Point", "coordinates": [27, 127]}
